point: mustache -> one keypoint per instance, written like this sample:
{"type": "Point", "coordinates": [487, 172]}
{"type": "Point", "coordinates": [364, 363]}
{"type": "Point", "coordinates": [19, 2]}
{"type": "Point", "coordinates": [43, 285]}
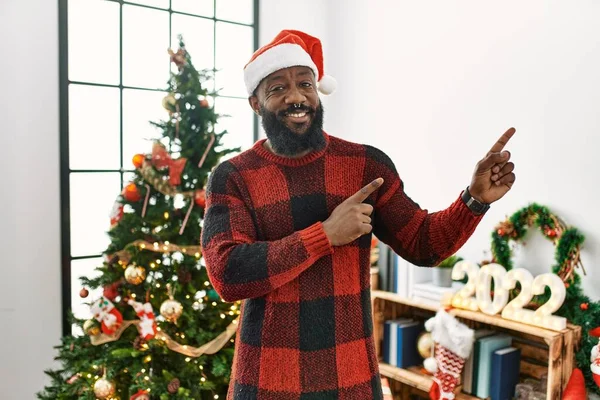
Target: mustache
{"type": "Point", "coordinates": [292, 109]}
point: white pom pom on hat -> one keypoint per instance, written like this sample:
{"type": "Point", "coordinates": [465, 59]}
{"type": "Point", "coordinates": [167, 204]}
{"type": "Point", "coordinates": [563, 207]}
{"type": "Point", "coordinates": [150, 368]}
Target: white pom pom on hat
{"type": "Point", "coordinates": [290, 48]}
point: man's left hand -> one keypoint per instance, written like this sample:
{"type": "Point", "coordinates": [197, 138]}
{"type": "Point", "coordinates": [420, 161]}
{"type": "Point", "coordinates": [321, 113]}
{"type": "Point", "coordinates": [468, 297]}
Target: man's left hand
{"type": "Point", "coordinates": [494, 176]}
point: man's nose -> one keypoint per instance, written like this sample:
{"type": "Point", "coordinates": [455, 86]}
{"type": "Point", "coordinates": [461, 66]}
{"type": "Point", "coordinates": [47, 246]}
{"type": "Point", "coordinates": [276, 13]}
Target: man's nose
{"type": "Point", "coordinates": [295, 96]}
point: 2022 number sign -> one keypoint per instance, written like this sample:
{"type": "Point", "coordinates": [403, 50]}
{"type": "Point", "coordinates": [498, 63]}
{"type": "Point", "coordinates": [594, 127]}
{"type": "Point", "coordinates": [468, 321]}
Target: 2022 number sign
{"type": "Point", "coordinates": [479, 283]}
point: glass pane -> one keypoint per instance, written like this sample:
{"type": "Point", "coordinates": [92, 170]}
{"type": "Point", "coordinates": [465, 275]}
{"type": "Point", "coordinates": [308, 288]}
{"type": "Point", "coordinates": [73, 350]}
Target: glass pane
{"type": "Point", "coordinates": [93, 127]}
{"type": "Point", "coordinates": [139, 108]}
{"type": "Point", "coordinates": [236, 10]}
{"type": "Point", "coordinates": [153, 3]}
{"type": "Point", "coordinates": [235, 45]}
{"type": "Point", "coordinates": [85, 268]}
{"type": "Point", "coordinates": [199, 7]}
{"type": "Point", "coordinates": [198, 36]}
{"type": "Point", "coordinates": [239, 124]}
{"type": "Point", "coordinates": [92, 199]}
{"type": "Point", "coordinates": [145, 43]}
{"type": "Point", "coordinates": [94, 41]}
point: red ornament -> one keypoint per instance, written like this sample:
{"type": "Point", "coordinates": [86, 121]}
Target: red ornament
{"type": "Point", "coordinates": [204, 103]}
{"type": "Point", "coordinates": [567, 285]}
{"type": "Point", "coordinates": [131, 193]}
{"type": "Point", "coordinates": [595, 332]}
{"type": "Point", "coordinates": [584, 306]}
{"type": "Point", "coordinates": [140, 395]}
{"type": "Point", "coordinates": [501, 232]}
{"type": "Point", "coordinates": [83, 293]}
{"type": "Point", "coordinates": [138, 160]}
{"type": "Point", "coordinates": [200, 198]}
{"type": "Point", "coordinates": [551, 233]}
{"type": "Point", "coordinates": [111, 291]}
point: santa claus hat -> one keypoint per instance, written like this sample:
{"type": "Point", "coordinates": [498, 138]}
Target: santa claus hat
{"type": "Point", "coordinates": [290, 48]}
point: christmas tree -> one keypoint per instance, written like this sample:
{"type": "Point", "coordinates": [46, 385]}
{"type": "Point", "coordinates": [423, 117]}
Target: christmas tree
{"type": "Point", "coordinates": [159, 330]}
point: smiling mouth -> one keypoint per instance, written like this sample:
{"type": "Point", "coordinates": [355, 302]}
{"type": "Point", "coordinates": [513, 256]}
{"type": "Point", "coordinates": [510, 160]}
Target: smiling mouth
{"type": "Point", "coordinates": [297, 117]}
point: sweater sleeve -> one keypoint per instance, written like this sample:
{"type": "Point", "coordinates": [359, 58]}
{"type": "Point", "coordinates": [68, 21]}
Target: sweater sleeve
{"type": "Point", "coordinates": [239, 266]}
{"type": "Point", "coordinates": [420, 237]}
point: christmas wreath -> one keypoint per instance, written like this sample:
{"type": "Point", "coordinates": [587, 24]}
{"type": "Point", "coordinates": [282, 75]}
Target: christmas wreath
{"type": "Point", "coordinates": [577, 307]}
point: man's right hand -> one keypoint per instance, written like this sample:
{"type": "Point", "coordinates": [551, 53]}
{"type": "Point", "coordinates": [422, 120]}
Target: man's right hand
{"type": "Point", "coordinates": [351, 219]}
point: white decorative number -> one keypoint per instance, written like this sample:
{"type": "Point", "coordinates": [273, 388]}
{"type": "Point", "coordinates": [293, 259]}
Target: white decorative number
{"type": "Point", "coordinates": [514, 310]}
{"type": "Point", "coordinates": [464, 297]}
{"type": "Point", "coordinates": [484, 288]}
{"type": "Point", "coordinates": [543, 315]}
{"type": "Point", "coordinates": [480, 280]}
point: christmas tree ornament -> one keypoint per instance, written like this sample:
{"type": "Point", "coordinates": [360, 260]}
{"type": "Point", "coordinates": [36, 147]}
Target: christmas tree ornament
{"type": "Point", "coordinates": [204, 103]}
{"type": "Point", "coordinates": [83, 293]}
{"type": "Point", "coordinates": [134, 274]}
{"type": "Point", "coordinates": [105, 312]}
{"type": "Point", "coordinates": [200, 198]}
{"type": "Point", "coordinates": [169, 102]}
{"type": "Point", "coordinates": [575, 389]}
{"type": "Point", "coordinates": [584, 306]}
{"type": "Point", "coordinates": [171, 309]}
{"type": "Point", "coordinates": [595, 356]}
{"type": "Point", "coordinates": [147, 326]}
{"type": "Point", "coordinates": [205, 154]}
{"type": "Point", "coordinates": [131, 193]}
{"type": "Point", "coordinates": [116, 214]}
{"type": "Point", "coordinates": [425, 345]}
{"type": "Point", "coordinates": [91, 327]}
{"type": "Point", "coordinates": [138, 160]}
{"type": "Point", "coordinates": [162, 160]}
{"type": "Point", "coordinates": [453, 344]}
{"type": "Point", "coordinates": [178, 58]}
{"type": "Point", "coordinates": [111, 291]}
{"type": "Point", "coordinates": [103, 388]}
{"type": "Point", "coordinates": [184, 276]}
{"type": "Point", "coordinates": [173, 386]}
{"type": "Point", "coordinates": [140, 395]}
{"type": "Point", "coordinates": [73, 379]}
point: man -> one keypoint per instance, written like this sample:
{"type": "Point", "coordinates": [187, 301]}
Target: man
{"type": "Point", "coordinates": [288, 230]}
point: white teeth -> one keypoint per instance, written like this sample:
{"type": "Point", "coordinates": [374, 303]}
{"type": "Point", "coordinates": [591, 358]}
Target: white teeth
{"type": "Point", "coordinates": [297, 115]}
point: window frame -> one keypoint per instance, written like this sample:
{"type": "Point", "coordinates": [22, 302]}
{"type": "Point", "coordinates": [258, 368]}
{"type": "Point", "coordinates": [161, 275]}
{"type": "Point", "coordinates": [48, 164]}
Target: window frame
{"type": "Point", "coordinates": [65, 169]}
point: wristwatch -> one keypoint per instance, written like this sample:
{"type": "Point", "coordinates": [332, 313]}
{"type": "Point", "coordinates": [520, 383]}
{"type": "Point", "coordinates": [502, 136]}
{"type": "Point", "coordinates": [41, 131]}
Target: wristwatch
{"type": "Point", "coordinates": [474, 205]}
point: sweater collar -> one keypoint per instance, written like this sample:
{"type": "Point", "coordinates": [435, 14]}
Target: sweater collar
{"type": "Point", "coordinates": [260, 149]}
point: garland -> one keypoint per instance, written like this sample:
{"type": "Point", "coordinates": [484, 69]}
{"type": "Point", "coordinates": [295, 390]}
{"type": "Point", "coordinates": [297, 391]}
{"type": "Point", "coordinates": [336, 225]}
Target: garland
{"type": "Point", "coordinates": [577, 307]}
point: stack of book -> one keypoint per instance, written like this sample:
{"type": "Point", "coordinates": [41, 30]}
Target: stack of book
{"type": "Point", "coordinates": [429, 293]}
{"type": "Point", "coordinates": [400, 342]}
{"type": "Point", "coordinates": [492, 369]}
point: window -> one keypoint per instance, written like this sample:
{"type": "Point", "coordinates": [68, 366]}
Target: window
{"type": "Point", "coordinates": [114, 68]}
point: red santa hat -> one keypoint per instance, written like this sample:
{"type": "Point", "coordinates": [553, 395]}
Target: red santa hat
{"type": "Point", "coordinates": [290, 48]}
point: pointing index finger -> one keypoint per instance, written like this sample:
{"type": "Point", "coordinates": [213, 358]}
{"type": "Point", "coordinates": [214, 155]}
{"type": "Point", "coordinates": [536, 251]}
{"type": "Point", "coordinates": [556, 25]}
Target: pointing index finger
{"type": "Point", "coordinates": [366, 191]}
{"type": "Point", "coordinates": [499, 145]}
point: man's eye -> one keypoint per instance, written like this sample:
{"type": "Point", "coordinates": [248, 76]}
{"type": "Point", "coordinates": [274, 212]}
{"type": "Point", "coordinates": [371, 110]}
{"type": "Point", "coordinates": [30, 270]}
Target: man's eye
{"type": "Point", "coordinates": [276, 88]}
{"type": "Point", "coordinates": [306, 84]}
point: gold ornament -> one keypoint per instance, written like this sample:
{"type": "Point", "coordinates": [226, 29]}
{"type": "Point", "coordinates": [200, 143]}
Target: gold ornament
{"type": "Point", "coordinates": [135, 274]}
{"type": "Point", "coordinates": [171, 309]}
{"type": "Point", "coordinates": [424, 344]}
{"type": "Point", "coordinates": [91, 327]}
{"type": "Point", "coordinates": [169, 102]}
{"type": "Point", "coordinates": [103, 388]}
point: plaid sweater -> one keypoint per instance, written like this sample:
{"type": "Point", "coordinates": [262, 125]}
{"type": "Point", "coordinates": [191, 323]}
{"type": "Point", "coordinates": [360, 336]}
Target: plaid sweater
{"type": "Point", "coordinates": [306, 329]}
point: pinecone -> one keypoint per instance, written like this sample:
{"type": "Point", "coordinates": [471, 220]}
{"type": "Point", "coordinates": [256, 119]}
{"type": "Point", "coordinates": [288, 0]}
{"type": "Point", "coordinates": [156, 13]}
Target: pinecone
{"type": "Point", "coordinates": [173, 386]}
{"type": "Point", "coordinates": [138, 342]}
{"type": "Point", "coordinates": [184, 276]}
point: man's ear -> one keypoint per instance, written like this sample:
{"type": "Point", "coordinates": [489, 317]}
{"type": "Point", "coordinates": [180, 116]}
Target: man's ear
{"type": "Point", "coordinates": [255, 104]}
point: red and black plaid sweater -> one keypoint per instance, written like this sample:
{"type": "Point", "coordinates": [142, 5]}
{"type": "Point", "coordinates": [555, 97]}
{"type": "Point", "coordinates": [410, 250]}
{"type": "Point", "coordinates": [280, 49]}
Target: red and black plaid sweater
{"type": "Point", "coordinates": [306, 329]}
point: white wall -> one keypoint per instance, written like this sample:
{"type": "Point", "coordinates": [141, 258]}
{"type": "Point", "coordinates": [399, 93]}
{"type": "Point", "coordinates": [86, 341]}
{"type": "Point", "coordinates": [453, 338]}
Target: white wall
{"type": "Point", "coordinates": [434, 84]}
{"type": "Point", "coordinates": [452, 79]}
{"type": "Point", "coordinates": [30, 305]}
